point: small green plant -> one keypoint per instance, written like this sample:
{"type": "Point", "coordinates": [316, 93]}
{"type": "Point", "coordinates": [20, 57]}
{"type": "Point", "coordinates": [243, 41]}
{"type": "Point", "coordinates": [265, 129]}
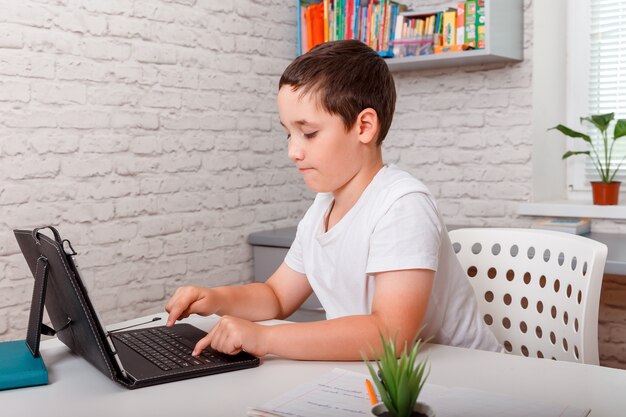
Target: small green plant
{"type": "Point", "coordinates": [601, 158]}
{"type": "Point", "coordinates": [399, 380]}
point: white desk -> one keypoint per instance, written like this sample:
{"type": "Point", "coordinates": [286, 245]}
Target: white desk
{"type": "Point", "coordinates": [78, 389]}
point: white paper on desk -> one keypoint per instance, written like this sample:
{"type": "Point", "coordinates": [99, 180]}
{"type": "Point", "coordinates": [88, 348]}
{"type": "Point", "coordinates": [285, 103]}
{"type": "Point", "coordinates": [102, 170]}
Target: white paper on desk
{"type": "Point", "coordinates": [338, 393]}
{"type": "Point", "coordinates": [342, 393]}
{"type": "Point", "coordinates": [465, 402]}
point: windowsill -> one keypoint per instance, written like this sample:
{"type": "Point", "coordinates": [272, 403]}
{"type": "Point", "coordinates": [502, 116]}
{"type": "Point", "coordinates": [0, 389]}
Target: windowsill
{"type": "Point", "coordinates": [572, 208]}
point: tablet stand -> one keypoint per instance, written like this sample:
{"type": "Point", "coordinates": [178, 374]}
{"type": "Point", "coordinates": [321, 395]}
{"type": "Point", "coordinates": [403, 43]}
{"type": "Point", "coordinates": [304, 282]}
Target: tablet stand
{"type": "Point", "coordinates": [21, 365]}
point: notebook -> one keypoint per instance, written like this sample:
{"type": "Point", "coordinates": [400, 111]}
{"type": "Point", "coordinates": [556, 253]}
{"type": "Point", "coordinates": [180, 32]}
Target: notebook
{"type": "Point", "coordinates": [18, 367]}
{"type": "Point", "coordinates": [133, 358]}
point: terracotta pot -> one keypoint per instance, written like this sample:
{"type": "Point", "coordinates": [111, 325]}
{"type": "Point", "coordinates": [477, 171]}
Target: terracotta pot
{"type": "Point", "coordinates": [605, 193]}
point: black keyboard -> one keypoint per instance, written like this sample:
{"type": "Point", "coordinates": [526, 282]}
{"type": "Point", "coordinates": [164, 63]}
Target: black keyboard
{"type": "Point", "coordinates": [166, 349]}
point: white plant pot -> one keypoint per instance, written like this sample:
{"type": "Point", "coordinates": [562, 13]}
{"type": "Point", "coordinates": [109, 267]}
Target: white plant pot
{"type": "Point", "coordinates": [419, 409]}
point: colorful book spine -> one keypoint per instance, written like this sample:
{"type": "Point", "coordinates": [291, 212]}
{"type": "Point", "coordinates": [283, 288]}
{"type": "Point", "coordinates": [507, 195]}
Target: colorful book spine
{"type": "Point", "coordinates": [449, 28]}
{"type": "Point", "coordinates": [384, 43]}
{"type": "Point", "coordinates": [398, 32]}
{"type": "Point", "coordinates": [480, 24]}
{"type": "Point", "coordinates": [311, 26]}
{"type": "Point", "coordinates": [301, 29]}
{"type": "Point", "coordinates": [368, 26]}
{"type": "Point", "coordinates": [373, 22]}
{"type": "Point", "coordinates": [392, 27]}
{"type": "Point", "coordinates": [378, 25]}
{"type": "Point", "coordinates": [460, 23]}
{"type": "Point", "coordinates": [363, 37]}
{"type": "Point", "coordinates": [429, 25]}
{"type": "Point", "coordinates": [355, 21]}
{"type": "Point", "coordinates": [470, 23]}
{"type": "Point", "coordinates": [438, 38]}
{"type": "Point", "coordinates": [336, 17]}
{"type": "Point", "coordinates": [309, 29]}
{"type": "Point", "coordinates": [326, 14]}
{"type": "Point", "coordinates": [342, 20]}
{"type": "Point", "coordinates": [317, 25]}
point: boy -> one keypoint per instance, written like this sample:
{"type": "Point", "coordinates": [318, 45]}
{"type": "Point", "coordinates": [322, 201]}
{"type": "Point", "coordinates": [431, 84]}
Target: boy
{"type": "Point", "coordinates": [372, 245]}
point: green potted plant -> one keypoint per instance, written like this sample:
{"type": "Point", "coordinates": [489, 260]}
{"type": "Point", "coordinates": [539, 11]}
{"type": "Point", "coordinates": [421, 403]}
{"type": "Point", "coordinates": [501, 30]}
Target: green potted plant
{"type": "Point", "coordinates": [399, 380]}
{"type": "Point", "coordinates": [606, 191]}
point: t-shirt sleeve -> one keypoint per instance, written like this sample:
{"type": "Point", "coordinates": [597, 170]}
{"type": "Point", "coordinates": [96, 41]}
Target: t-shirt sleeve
{"type": "Point", "coordinates": [408, 236]}
{"type": "Point", "coordinates": [294, 259]}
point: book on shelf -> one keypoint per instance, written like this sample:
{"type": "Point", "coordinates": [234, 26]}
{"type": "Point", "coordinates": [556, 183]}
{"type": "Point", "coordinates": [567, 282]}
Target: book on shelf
{"type": "Point", "coordinates": [480, 25]}
{"type": "Point", "coordinates": [460, 23]}
{"type": "Point", "coordinates": [314, 17]}
{"type": "Point", "coordinates": [567, 225]}
{"type": "Point", "coordinates": [446, 29]}
{"type": "Point", "coordinates": [388, 28]}
{"type": "Point", "coordinates": [449, 28]}
{"type": "Point", "coordinates": [470, 23]}
{"type": "Point", "coordinates": [373, 22]}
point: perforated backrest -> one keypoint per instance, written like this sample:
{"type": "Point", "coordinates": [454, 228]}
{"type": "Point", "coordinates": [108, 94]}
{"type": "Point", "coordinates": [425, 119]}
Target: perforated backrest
{"type": "Point", "coordinates": [537, 290]}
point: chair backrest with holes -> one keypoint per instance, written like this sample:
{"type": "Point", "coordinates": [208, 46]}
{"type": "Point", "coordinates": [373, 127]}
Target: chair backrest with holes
{"type": "Point", "coordinates": [537, 290]}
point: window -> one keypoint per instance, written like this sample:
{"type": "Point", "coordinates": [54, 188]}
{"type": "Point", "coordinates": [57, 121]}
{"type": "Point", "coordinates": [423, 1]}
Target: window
{"type": "Point", "coordinates": [596, 79]}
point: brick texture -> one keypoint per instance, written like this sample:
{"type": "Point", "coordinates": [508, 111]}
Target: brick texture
{"type": "Point", "coordinates": [452, 129]}
{"type": "Point", "coordinates": [147, 133]}
{"type": "Point", "coordinates": [612, 326]}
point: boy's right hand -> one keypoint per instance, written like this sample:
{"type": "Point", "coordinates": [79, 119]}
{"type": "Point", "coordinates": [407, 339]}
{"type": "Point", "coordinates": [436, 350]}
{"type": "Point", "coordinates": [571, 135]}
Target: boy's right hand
{"type": "Point", "coordinates": [186, 301]}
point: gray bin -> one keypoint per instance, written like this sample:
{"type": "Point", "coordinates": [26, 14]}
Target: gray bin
{"type": "Point", "coordinates": [269, 249]}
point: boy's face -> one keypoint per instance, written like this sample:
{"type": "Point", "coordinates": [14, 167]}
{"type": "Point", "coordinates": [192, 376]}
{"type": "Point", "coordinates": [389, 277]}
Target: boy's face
{"type": "Point", "coordinates": [326, 155]}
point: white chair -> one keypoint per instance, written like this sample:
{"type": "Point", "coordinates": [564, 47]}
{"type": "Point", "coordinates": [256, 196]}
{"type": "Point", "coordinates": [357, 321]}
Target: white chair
{"type": "Point", "coordinates": [537, 290]}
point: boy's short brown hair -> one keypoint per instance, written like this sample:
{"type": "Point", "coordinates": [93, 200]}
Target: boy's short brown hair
{"type": "Point", "coordinates": [348, 77]}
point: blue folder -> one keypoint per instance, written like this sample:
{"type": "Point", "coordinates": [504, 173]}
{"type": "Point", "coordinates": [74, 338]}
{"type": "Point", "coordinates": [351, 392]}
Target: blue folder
{"type": "Point", "coordinates": [18, 366]}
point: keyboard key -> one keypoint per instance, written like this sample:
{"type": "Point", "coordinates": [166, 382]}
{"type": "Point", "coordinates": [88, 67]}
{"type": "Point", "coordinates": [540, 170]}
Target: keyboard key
{"type": "Point", "coordinates": [166, 349]}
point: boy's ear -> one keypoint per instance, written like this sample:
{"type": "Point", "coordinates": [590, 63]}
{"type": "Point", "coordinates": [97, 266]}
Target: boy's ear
{"type": "Point", "coordinates": [367, 124]}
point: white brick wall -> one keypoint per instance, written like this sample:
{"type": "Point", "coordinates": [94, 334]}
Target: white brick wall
{"type": "Point", "coordinates": [466, 132]}
{"type": "Point", "coordinates": [147, 132]}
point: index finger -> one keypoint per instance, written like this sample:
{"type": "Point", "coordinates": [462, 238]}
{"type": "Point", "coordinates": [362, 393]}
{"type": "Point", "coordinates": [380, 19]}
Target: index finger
{"type": "Point", "coordinates": [175, 309]}
{"type": "Point", "coordinates": [171, 319]}
{"type": "Point", "coordinates": [204, 342]}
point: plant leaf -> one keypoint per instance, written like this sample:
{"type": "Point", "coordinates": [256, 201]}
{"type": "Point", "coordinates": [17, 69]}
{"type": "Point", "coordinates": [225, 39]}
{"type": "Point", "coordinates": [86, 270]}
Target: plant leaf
{"type": "Point", "coordinates": [403, 399]}
{"type": "Point", "coordinates": [601, 121]}
{"type": "Point", "coordinates": [398, 380]}
{"type": "Point", "coordinates": [572, 153]}
{"type": "Point", "coordinates": [571, 133]}
{"type": "Point", "coordinates": [620, 129]}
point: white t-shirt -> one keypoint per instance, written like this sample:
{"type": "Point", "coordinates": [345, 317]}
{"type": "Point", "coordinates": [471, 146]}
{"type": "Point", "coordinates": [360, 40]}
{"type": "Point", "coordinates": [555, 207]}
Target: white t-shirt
{"type": "Point", "coordinates": [394, 225]}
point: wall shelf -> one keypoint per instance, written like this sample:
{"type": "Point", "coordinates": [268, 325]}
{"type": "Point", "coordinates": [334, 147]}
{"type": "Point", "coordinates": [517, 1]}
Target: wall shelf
{"type": "Point", "coordinates": [450, 59]}
{"type": "Point", "coordinates": [572, 208]}
{"type": "Point", "coordinates": [504, 42]}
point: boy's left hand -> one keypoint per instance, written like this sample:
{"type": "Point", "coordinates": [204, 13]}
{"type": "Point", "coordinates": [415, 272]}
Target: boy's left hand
{"type": "Point", "coordinates": [231, 335]}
